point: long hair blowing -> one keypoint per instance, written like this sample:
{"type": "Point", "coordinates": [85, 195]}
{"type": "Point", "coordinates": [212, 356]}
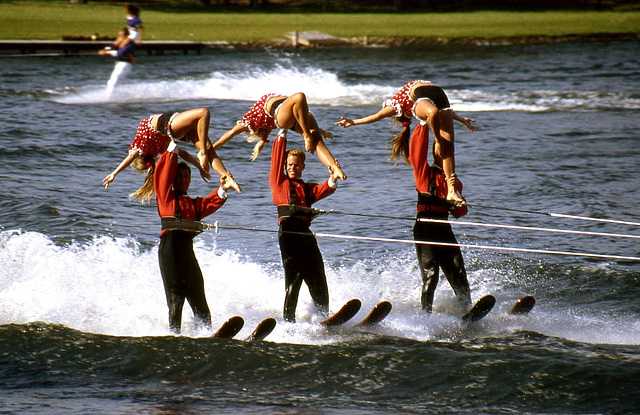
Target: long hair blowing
{"type": "Point", "coordinates": [146, 192]}
{"type": "Point", "coordinates": [261, 137]}
{"type": "Point", "coordinates": [400, 142]}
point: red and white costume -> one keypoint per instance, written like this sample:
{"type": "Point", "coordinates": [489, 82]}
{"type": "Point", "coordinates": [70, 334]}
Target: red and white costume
{"type": "Point", "coordinates": [402, 102]}
{"type": "Point", "coordinates": [258, 120]}
{"type": "Point", "coordinates": [149, 141]}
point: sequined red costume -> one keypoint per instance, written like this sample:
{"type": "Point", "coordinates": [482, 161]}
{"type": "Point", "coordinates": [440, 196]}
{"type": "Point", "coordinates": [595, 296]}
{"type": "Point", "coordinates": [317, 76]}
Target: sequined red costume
{"type": "Point", "coordinates": [149, 141]}
{"type": "Point", "coordinates": [258, 120]}
{"type": "Point", "coordinates": [402, 102]}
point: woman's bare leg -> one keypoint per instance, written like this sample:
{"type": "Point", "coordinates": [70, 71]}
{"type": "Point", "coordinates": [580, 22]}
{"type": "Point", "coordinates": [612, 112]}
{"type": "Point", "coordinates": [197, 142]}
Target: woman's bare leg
{"type": "Point", "coordinates": [441, 124]}
{"type": "Point", "coordinates": [218, 165]}
{"type": "Point", "coordinates": [324, 155]}
{"type": "Point", "coordinates": [195, 123]}
{"type": "Point", "coordinates": [447, 150]}
{"type": "Point", "coordinates": [295, 109]}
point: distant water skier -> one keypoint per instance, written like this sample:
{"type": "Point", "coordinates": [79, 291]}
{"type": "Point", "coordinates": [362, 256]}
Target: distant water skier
{"type": "Point", "coordinates": [134, 23]}
{"type": "Point", "coordinates": [122, 49]}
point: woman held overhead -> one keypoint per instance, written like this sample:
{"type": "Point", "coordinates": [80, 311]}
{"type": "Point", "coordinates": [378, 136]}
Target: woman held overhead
{"type": "Point", "coordinates": [287, 113]}
{"type": "Point", "coordinates": [429, 104]}
{"type": "Point", "coordinates": [153, 137]}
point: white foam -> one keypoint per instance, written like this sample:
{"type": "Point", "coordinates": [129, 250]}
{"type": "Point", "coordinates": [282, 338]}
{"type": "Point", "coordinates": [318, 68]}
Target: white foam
{"type": "Point", "coordinates": [113, 286]}
{"type": "Point", "coordinates": [326, 88]}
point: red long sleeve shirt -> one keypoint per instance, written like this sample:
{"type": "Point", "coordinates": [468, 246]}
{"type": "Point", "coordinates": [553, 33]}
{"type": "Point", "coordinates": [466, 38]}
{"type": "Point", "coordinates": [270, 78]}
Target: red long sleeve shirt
{"type": "Point", "coordinates": [305, 193]}
{"type": "Point", "coordinates": [190, 208]}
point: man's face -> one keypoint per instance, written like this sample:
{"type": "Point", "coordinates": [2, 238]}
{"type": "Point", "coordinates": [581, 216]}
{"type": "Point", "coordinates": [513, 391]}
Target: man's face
{"type": "Point", "coordinates": [294, 167]}
{"type": "Point", "coordinates": [182, 180]}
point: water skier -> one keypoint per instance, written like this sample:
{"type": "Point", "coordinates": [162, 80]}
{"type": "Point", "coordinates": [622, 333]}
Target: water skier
{"type": "Point", "coordinates": [134, 23]}
{"type": "Point", "coordinates": [273, 111]}
{"type": "Point", "coordinates": [179, 267]}
{"type": "Point", "coordinates": [122, 49]}
{"type": "Point", "coordinates": [432, 186]}
{"type": "Point", "coordinates": [429, 104]}
{"type": "Point", "coordinates": [301, 257]}
{"type": "Point", "coordinates": [154, 135]}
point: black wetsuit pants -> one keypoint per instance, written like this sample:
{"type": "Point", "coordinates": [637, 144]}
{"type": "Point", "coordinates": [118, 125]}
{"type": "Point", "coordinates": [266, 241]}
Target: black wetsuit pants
{"type": "Point", "coordinates": [433, 257]}
{"type": "Point", "coordinates": [182, 278]}
{"type": "Point", "coordinates": [302, 261]}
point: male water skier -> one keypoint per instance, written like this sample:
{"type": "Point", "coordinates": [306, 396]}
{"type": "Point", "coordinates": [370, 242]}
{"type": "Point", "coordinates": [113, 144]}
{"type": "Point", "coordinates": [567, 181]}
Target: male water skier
{"type": "Point", "coordinates": [432, 187]}
{"type": "Point", "coordinates": [301, 257]}
{"type": "Point", "coordinates": [122, 49]}
{"type": "Point", "coordinates": [181, 273]}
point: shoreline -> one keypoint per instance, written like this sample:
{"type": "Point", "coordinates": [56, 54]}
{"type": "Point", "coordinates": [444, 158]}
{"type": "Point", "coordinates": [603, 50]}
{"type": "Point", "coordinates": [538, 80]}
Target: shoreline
{"type": "Point", "coordinates": [82, 46]}
{"type": "Point", "coordinates": [372, 41]}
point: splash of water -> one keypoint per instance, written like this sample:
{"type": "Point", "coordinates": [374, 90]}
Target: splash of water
{"type": "Point", "coordinates": [113, 286]}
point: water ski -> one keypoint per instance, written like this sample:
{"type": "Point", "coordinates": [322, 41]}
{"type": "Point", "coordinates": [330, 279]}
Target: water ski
{"type": "Point", "coordinates": [230, 328]}
{"type": "Point", "coordinates": [263, 329]}
{"type": "Point", "coordinates": [343, 315]}
{"type": "Point", "coordinates": [523, 305]}
{"type": "Point", "coordinates": [480, 309]}
{"type": "Point", "coordinates": [378, 313]}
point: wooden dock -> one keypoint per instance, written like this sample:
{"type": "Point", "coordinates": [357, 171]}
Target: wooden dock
{"type": "Point", "coordinates": [72, 47]}
{"type": "Point", "coordinates": [82, 47]}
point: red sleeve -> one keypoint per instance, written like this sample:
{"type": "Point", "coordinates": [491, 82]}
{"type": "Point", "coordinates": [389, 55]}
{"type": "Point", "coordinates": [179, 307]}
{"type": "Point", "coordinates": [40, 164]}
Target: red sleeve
{"type": "Point", "coordinates": [418, 150]}
{"type": "Point", "coordinates": [163, 178]}
{"type": "Point", "coordinates": [319, 191]}
{"type": "Point", "coordinates": [208, 205]}
{"type": "Point", "coordinates": [278, 181]}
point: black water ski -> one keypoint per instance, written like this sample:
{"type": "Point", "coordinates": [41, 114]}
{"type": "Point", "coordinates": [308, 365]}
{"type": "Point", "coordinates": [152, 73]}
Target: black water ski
{"type": "Point", "coordinates": [378, 313]}
{"type": "Point", "coordinates": [343, 315]}
{"type": "Point", "coordinates": [263, 329]}
{"type": "Point", "coordinates": [230, 328]}
{"type": "Point", "coordinates": [523, 305]}
{"type": "Point", "coordinates": [480, 309]}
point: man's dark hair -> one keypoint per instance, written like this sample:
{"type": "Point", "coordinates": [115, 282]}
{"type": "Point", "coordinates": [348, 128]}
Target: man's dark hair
{"type": "Point", "coordinates": [185, 166]}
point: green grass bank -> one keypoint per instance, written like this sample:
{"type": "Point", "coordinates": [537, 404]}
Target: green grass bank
{"type": "Point", "coordinates": [50, 20]}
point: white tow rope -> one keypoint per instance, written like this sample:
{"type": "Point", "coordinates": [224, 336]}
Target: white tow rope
{"type": "Point", "coordinates": [558, 215]}
{"type": "Point", "coordinates": [413, 242]}
{"type": "Point", "coordinates": [528, 228]}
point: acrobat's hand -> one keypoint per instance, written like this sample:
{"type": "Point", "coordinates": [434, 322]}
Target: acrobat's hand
{"type": "Point", "coordinates": [107, 180]}
{"type": "Point", "coordinates": [206, 176]}
{"type": "Point", "coordinates": [336, 172]}
{"type": "Point", "coordinates": [467, 123]}
{"type": "Point", "coordinates": [228, 181]}
{"type": "Point", "coordinates": [345, 122]}
{"type": "Point", "coordinates": [325, 133]}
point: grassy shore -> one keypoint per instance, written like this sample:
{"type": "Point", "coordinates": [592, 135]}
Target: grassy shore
{"type": "Point", "coordinates": [52, 19]}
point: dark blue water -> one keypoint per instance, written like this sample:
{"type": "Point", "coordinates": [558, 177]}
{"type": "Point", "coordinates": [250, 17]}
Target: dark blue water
{"type": "Point", "coordinates": [83, 324]}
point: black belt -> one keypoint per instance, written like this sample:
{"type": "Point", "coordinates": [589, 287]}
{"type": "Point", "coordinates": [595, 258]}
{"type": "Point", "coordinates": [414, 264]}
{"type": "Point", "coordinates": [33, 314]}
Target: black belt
{"type": "Point", "coordinates": [432, 200]}
{"type": "Point", "coordinates": [300, 212]}
{"type": "Point", "coordinates": [171, 223]}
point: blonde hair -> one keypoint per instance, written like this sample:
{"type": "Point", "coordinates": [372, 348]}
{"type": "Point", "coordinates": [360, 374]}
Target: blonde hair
{"type": "Point", "coordinates": [297, 153]}
{"type": "Point", "coordinates": [146, 192]}
{"type": "Point", "coordinates": [261, 136]}
{"type": "Point", "coordinates": [400, 142]}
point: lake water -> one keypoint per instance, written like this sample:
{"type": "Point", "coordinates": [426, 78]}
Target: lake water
{"type": "Point", "coordinates": [83, 320]}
